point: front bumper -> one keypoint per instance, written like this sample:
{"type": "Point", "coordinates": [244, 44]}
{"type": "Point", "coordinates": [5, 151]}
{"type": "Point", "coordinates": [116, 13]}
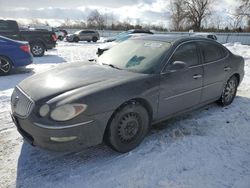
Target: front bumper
{"type": "Point", "coordinates": [87, 134]}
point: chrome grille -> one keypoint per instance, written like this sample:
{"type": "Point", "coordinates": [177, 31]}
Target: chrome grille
{"type": "Point", "coordinates": [21, 104]}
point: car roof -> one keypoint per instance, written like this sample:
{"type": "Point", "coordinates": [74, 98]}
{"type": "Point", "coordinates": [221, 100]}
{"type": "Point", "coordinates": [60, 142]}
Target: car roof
{"type": "Point", "coordinates": [171, 38]}
{"type": "Point", "coordinates": [201, 34]}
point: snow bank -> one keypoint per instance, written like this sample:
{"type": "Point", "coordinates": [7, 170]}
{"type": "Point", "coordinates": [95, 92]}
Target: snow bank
{"type": "Point", "coordinates": [207, 148]}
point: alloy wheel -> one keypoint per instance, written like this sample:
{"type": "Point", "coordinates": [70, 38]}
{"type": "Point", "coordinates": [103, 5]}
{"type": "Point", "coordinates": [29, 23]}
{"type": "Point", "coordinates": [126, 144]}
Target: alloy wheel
{"type": "Point", "coordinates": [37, 50]}
{"type": "Point", "coordinates": [5, 65]}
{"type": "Point", "coordinates": [230, 90]}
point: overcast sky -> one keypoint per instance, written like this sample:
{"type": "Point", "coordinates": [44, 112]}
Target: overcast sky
{"type": "Point", "coordinates": [148, 11]}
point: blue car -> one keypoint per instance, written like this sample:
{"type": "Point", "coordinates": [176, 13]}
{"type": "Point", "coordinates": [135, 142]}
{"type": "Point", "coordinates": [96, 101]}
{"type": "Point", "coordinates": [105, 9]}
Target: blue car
{"type": "Point", "coordinates": [13, 54]}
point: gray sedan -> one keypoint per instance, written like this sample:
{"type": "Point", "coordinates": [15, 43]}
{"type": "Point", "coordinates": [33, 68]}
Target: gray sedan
{"type": "Point", "coordinates": [119, 96]}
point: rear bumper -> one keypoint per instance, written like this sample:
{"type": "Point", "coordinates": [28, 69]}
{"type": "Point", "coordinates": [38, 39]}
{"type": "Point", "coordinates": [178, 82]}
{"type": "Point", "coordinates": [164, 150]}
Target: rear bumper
{"type": "Point", "coordinates": [84, 134]}
{"type": "Point", "coordinates": [23, 61]}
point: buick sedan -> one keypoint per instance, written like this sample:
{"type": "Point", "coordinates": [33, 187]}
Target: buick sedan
{"type": "Point", "coordinates": [117, 97]}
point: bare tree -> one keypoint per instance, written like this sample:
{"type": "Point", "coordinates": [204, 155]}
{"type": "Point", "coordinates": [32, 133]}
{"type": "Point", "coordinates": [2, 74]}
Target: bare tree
{"type": "Point", "coordinates": [243, 11]}
{"type": "Point", "coordinates": [197, 11]}
{"type": "Point", "coordinates": [244, 8]}
{"type": "Point", "coordinates": [95, 19]}
{"type": "Point", "coordinates": [178, 14]}
{"type": "Point", "coordinates": [236, 21]}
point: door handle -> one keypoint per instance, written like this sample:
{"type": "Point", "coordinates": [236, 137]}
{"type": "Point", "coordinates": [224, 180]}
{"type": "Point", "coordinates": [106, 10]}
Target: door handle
{"type": "Point", "coordinates": [197, 76]}
{"type": "Point", "coordinates": [227, 68]}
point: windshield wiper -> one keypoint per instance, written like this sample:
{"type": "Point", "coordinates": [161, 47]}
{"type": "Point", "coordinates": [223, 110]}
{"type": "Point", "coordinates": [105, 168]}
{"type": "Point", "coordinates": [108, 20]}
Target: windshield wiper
{"type": "Point", "coordinates": [92, 60]}
{"type": "Point", "coordinates": [111, 65]}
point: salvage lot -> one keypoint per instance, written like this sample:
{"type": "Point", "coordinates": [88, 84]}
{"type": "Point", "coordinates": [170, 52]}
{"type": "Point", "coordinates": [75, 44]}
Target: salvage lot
{"type": "Point", "coordinates": [209, 147]}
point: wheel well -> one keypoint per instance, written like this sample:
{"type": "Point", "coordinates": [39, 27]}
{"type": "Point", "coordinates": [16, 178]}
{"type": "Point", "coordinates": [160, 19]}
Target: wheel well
{"type": "Point", "coordinates": [8, 59]}
{"type": "Point", "coordinates": [237, 76]}
{"type": "Point", "coordinates": [38, 42]}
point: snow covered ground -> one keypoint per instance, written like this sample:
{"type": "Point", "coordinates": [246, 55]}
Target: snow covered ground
{"type": "Point", "coordinates": [208, 148]}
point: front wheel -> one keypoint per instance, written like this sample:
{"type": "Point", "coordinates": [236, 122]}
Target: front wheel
{"type": "Point", "coordinates": [37, 49]}
{"type": "Point", "coordinates": [5, 66]}
{"type": "Point", "coordinates": [128, 127]}
{"type": "Point", "coordinates": [76, 39]}
{"type": "Point", "coordinates": [229, 92]}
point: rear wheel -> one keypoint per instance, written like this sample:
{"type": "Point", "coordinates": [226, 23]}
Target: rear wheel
{"type": "Point", "coordinates": [94, 39]}
{"type": "Point", "coordinates": [37, 49]}
{"type": "Point", "coordinates": [128, 127]}
{"type": "Point", "coordinates": [229, 92]}
{"type": "Point", "coordinates": [60, 38]}
{"type": "Point", "coordinates": [5, 66]}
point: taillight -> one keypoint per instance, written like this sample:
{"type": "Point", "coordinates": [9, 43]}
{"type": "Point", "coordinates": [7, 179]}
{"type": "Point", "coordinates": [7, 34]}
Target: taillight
{"type": "Point", "coordinates": [54, 38]}
{"type": "Point", "coordinates": [25, 48]}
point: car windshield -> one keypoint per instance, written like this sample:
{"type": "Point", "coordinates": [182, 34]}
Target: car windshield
{"type": "Point", "coordinates": [141, 56]}
{"type": "Point", "coordinates": [123, 38]}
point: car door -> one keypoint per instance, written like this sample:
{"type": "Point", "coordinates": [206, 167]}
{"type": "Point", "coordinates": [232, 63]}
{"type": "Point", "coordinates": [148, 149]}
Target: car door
{"type": "Point", "coordinates": [181, 89]}
{"type": "Point", "coordinates": [85, 36]}
{"type": "Point", "coordinates": [216, 67]}
{"type": "Point", "coordinates": [82, 35]}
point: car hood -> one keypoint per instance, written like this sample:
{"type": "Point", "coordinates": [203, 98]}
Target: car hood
{"type": "Point", "coordinates": [110, 39]}
{"type": "Point", "coordinates": [71, 35]}
{"type": "Point", "coordinates": [107, 45]}
{"type": "Point", "coordinates": [72, 76]}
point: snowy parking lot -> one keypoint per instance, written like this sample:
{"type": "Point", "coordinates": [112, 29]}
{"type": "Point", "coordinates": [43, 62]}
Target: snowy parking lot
{"type": "Point", "coordinates": [206, 148]}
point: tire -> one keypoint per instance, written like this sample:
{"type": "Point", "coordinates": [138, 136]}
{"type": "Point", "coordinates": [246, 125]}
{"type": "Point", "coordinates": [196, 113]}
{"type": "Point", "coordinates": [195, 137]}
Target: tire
{"type": "Point", "coordinates": [95, 39]}
{"type": "Point", "coordinates": [127, 127]}
{"type": "Point", "coordinates": [229, 92]}
{"type": "Point", "coordinates": [37, 49]}
{"type": "Point", "coordinates": [5, 66]}
{"type": "Point", "coordinates": [60, 38]}
{"type": "Point", "coordinates": [76, 39]}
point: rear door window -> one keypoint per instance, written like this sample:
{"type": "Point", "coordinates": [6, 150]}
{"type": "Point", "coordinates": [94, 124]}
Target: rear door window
{"type": "Point", "coordinates": [212, 52]}
{"type": "Point", "coordinates": [4, 26]}
{"type": "Point", "coordinates": [8, 26]}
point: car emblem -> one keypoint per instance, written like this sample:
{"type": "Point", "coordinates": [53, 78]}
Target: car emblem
{"type": "Point", "coordinates": [16, 99]}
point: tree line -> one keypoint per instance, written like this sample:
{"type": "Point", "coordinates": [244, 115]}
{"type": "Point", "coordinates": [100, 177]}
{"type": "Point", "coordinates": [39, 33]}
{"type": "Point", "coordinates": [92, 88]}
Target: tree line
{"type": "Point", "coordinates": [185, 15]}
{"type": "Point", "coordinates": [96, 20]}
{"type": "Point", "coordinates": [199, 15]}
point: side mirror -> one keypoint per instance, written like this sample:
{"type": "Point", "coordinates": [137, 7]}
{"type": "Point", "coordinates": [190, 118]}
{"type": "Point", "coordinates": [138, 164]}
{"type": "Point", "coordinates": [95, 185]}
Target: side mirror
{"type": "Point", "coordinates": [177, 66]}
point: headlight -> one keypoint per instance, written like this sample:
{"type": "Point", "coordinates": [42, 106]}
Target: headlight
{"type": "Point", "coordinates": [44, 110]}
{"type": "Point", "coordinates": [67, 111]}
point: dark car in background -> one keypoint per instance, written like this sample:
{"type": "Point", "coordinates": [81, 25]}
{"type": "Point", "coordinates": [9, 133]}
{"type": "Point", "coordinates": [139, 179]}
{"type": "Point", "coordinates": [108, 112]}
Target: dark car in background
{"type": "Point", "coordinates": [83, 35]}
{"type": "Point", "coordinates": [136, 83]}
{"type": "Point", "coordinates": [39, 41]}
{"type": "Point", "coordinates": [205, 35]}
{"type": "Point", "coordinates": [13, 54]}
